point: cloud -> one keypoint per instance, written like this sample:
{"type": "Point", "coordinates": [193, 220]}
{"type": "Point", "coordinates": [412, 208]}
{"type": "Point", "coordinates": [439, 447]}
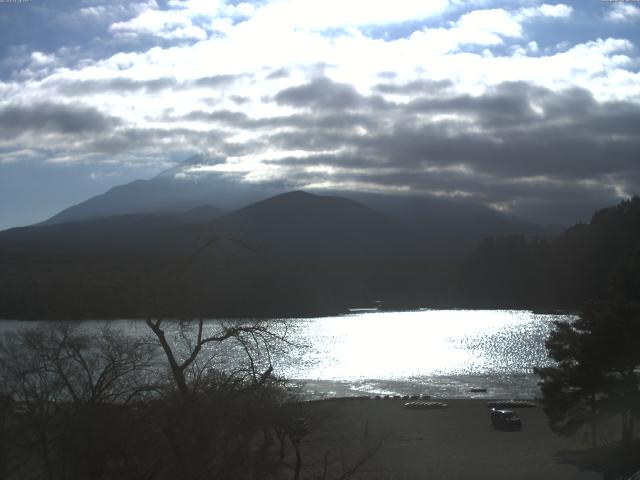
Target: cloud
{"type": "Point", "coordinates": [495, 21]}
{"type": "Point", "coordinates": [169, 24]}
{"type": "Point", "coordinates": [414, 87]}
{"type": "Point", "coordinates": [623, 12]}
{"type": "Point", "coordinates": [146, 141]}
{"type": "Point", "coordinates": [43, 118]}
{"type": "Point", "coordinates": [120, 85]}
{"type": "Point", "coordinates": [114, 85]}
{"type": "Point", "coordinates": [279, 73]}
{"type": "Point", "coordinates": [559, 10]}
{"type": "Point", "coordinates": [517, 141]}
{"type": "Point", "coordinates": [321, 93]}
{"type": "Point", "coordinates": [473, 99]}
{"type": "Point", "coordinates": [499, 21]}
{"type": "Point", "coordinates": [215, 81]}
{"type": "Point", "coordinates": [313, 15]}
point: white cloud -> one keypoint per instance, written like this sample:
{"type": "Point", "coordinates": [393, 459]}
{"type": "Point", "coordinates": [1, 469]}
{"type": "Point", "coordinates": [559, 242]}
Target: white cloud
{"type": "Point", "coordinates": [315, 15]}
{"type": "Point", "coordinates": [494, 21]}
{"type": "Point", "coordinates": [155, 22]}
{"type": "Point", "coordinates": [559, 10]}
{"type": "Point", "coordinates": [262, 39]}
{"type": "Point", "coordinates": [622, 12]}
{"type": "Point", "coordinates": [42, 58]}
{"type": "Point", "coordinates": [174, 23]}
{"type": "Point", "coordinates": [483, 25]}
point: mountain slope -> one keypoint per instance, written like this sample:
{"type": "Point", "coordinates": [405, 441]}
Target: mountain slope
{"type": "Point", "coordinates": [292, 225]}
{"type": "Point", "coordinates": [444, 227]}
{"type": "Point", "coordinates": [588, 261]}
{"type": "Point", "coordinates": [123, 234]}
{"type": "Point", "coordinates": [447, 227]}
{"type": "Point", "coordinates": [300, 224]}
{"type": "Point", "coordinates": [171, 192]}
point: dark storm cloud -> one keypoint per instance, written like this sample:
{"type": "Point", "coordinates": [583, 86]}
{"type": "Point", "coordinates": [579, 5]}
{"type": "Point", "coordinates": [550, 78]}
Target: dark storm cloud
{"type": "Point", "coordinates": [138, 139]}
{"type": "Point", "coordinates": [516, 141]}
{"type": "Point", "coordinates": [239, 100]}
{"type": "Point", "coordinates": [514, 129]}
{"type": "Point", "coordinates": [306, 121]}
{"type": "Point", "coordinates": [127, 85]}
{"type": "Point", "coordinates": [215, 80]}
{"type": "Point", "coordinates": [569, 153]}
{"type": "Point", "coordinates": [539, 200]}
{"type": "Point", "coordinates": [323, 93]}
{"type": "Point", "coordinates": [53, 118]}
{"type": "Point", "coordinates": [279, 73]}
{"type": "Point", "coordinates": [116, 85]}
{"type": "Point", "coordinates": [412, 88]}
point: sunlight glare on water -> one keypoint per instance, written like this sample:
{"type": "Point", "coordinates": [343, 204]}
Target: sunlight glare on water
{"type": "Point", "coordinates": [426, 344]}
{"type": "Point", "coordinates": [442, 352]}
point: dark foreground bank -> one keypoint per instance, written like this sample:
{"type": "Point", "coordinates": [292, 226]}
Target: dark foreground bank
{"type": "Point", "coordinates": [380, 439]}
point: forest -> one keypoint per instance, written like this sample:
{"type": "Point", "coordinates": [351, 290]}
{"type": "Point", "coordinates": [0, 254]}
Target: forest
{"type": "Point", "coordinates": [223, 276]}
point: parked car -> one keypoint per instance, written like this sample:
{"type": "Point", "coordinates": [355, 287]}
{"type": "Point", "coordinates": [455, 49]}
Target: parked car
{"type": "Point", "coordinates": [505, 420]}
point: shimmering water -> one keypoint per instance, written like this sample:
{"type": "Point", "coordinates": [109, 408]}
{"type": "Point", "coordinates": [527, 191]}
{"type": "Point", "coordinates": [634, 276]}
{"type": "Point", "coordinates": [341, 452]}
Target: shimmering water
{"type": "Point", "coordinates": [438, 352]}
{"type": "Point", "coordinates": [443, 353]}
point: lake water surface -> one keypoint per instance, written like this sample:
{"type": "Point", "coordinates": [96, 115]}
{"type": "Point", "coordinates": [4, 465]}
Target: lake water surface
{"type": "Point", "coordinates": [443, 353]}
{"type": "Point", "coordinates": [439, 352]}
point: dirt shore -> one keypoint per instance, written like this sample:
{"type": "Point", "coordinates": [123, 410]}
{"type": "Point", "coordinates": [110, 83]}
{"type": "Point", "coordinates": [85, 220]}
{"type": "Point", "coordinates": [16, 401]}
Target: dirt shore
{"type": "Point", "coordinates": [380, 439]}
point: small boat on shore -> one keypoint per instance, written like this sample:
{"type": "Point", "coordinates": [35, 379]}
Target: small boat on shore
{"type": "Point", "coordinates": [425, 405]}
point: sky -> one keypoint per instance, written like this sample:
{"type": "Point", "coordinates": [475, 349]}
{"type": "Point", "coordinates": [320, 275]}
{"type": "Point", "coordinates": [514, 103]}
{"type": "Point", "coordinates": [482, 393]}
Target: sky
{"type": "Point", "coordinates": [528, 107]}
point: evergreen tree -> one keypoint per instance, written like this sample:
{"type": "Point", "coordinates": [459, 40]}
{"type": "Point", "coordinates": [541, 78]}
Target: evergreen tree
{"type": "Point", "coordinates": [597, 373]}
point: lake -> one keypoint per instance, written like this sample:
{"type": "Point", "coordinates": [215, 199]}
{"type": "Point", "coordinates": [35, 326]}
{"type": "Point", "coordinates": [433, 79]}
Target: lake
{"type": "Point", "coordinates": [443, 353]}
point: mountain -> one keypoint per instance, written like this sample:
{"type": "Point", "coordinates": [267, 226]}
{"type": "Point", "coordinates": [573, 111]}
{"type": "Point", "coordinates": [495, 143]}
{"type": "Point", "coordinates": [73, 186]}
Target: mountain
{"type": "Point", "coordinates": [299, 254]}
{"type": "Point", "coordinates": [201, 213]}
{"type": "Point", "coordinates": [122, 234]}
{"type": "Point", "coordinates": [299, 224]}
{"type": "Point", "coordinates": [445, 228]}
{"type": "Point", "coordinates": [291, 225]}
{"type": "Point", "coordinates": [173, 191]}
{"type": "Point", "coordinates": [292, 254]}
{"type": "Point", "coordinates": [449, 227]}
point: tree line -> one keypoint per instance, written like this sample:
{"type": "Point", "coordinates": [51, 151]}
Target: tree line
{"type": "Point", "coordinates": [596, 260]}
{"type": "Point", "coordinates": [595, 382]}
{"type": "Point", "coordinates": [79, 403]}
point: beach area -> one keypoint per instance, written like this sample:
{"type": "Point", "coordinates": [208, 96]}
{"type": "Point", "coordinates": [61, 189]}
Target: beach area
{"type": "Point", "coordinates": [383, 440]}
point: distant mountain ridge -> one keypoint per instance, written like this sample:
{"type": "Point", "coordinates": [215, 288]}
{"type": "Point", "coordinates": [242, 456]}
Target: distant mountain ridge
{"type": "Point", "coordinates": [445, 227]}
{"type": "Point", "coordinates": [170, 192]}
{"type": "Point", "coordinates": [301, 224]}
{"type": "Point", "coordinates": [292, 225]}
{"type": "Point", "coordinates": [299, 254]}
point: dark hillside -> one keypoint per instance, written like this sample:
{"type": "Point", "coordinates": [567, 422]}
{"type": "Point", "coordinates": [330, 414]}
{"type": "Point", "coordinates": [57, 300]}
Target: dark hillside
{"type": "Point", "coordinates": [588, 261]}
{"type": "Point", "coordinates": [302, 225]}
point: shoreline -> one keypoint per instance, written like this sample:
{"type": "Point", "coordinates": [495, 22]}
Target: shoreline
{"type": "Point", "coordinates": [348, 311]}
{"type": "Point", "coordinates": [387, 441]}
{"type": "Point", "coordinates": [513, 386]}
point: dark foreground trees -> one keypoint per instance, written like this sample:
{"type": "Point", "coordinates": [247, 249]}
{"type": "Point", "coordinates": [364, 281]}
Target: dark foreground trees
{"type": "Point", "coordinates": [194, 400]}
{"type": "Point", "coordinates": [71, 393]}
{"type": "Point", "coordinates": [597, 376]}
{"type": "Point", "coordinates": [84, 404]}
{"type": "Point", "coordinates": [598, 369]}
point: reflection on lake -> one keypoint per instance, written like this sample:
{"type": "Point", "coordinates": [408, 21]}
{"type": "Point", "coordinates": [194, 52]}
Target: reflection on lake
{"type": "Point", "coordinates": [439, 352]}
